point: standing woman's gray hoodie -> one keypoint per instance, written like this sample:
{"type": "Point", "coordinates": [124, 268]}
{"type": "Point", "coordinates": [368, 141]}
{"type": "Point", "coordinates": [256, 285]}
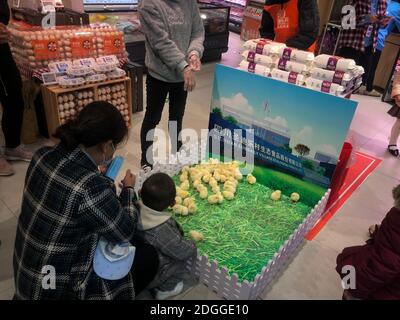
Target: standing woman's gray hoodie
{"type": "Point", "coordinates": [173, 30]}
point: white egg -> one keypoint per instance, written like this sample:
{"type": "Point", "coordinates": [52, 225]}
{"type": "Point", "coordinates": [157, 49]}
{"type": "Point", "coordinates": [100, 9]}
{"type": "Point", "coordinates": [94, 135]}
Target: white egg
{"type": "Point", "coordinates": [71, 97]}
{"type": "Point", "coordinates": [61, 107]}
{"type": "Point", "coordinates": [123, 100]}
{"type": "Point", "coordinates": [114, 102]}
{"type": "Point", "coordinates": [85, 94]}
{"type": "Point", "coordinates": [67, 114]}
{"type": "Point", "coordinates": [68, 55]}
{"type": "Point", "coordinates": [85, 102]}
{"type": "Point", "coordinates": [80, 103]}
{"type": "Point", "coordinates": [65, 98]}
{"type": "Point", "coordinates": [108, 89]}
{"type": "Point", "coordinates": [71, 105]}
{"type": "Point", "coordinates": [62, 115]}
{"type": "Point", "coordinates": [108, 97]}
{"type": "Point", "coordinates": [115, 96]}
{"type": "Point", "coordinates": [73, 112]}
{"type": "Point", "coordinates": [126, 118]}
{"type": "Point", "coordinates": [90, 100]}
{"type": "Point", "coordinates": [60, 99]}
{"type": "Point", "coordinates": [91, 94]}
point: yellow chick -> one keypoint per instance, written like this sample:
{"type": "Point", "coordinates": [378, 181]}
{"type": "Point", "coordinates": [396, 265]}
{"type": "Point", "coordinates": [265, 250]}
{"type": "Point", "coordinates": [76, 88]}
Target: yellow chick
{"type": "Point", "coordinates": [192, 208]}
{"type": "Point", "coordinates": [204, 194]}
{"type": "Point", "coordinates": [217, 176]}
{"type": "Point", "coordinates": [295, 197]}
{"type": "Point", "coordinates": [185, 185]}
{"type": "Point", "coordinates": [220, 198]}
{"type": "Point", "coordinates": [213, 183]}
{"type": "Point", "coordinates": [238, 176]}
{"type": "Point", "coordinates": [182, 194]}
{"type": "Point", "coordinates": [185, 169]}
{"type": "Point", "coordinates": [223, 178]}
{"type": "Point", "coordinates": [230, 189]}
{"type": "Point", "coordinates": [183, 177]}
{"type": "Point", "coordinates": [230, 184]}
{"type": "Point", "coordinates": [251, 179]}
{"type": "Point", "coordinates": [228, 195]}
{"type": "Point", "coordinates": [276, 195]}
{"type": "Point", "coordinates": [196, 183]}
{"type": "Point", "coordinates": [206, 178]}
{"type": "Point", "coordinates": [179, 209]}
{"type": "Point", "coordinates": [178, 200]}
{"type": "Point", "coordinates": [216, 189]}
{"type": "Point", "coordinates": [196, 236]}
{"type": "Point", "coordinates": [188, 201]}
{"type": "Point", "coordinates": [214, 199]}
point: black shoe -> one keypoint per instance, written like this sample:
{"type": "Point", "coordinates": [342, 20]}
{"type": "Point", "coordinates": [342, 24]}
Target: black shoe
{"type": "Point", "coordinates": [392, 148]}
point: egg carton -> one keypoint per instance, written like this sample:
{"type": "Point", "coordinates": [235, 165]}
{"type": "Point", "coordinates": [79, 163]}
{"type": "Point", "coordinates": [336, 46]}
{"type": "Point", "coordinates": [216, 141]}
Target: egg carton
{"type": "Point", "coordinates": [216, 277]}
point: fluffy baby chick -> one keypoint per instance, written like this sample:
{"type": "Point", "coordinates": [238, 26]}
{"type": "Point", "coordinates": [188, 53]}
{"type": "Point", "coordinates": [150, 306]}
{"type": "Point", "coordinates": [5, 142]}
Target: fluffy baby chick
{"type": "Point", "coordinates": [230, 184]}
{"type": "Point", "coordinates": [230, 189]}
{"type": "Point", "coordinates": [179, 209]}
{"type": "Point", "coordinates": [238, 175]}
{"type": "Point", "coordinates": [182, 194]}
{"type": "Point", "coordinates": [196, 236]}
{"type": "Point", "coordinates": [204, 194]}
{"type": "Point", "coordinates": [214, 199]}
{"type": "Point", "coordinates": [178, 200]}
{"type": "Point", "coordinates": [220, 197]}
{"type": "Point", "coordinates": [251, 179]}
{"type": "Point", "coordinates": [223, 178]}
{"type": "Point", "coordinates": [188, 201]}
{"type": "Point", "coordinates": [183, 177]}
{"type": "Point", "coordinates": [228, 195]}
{"type": "Point", "coordinates": [206, 178]}
{"type": "Point", "coordinates": [295, 197]}
{"type": "Point", "coordinates": [213, 182]}
{"type": "Point", "coordinates": [192, 208]}
{"type": "Point", "coordinates": [216, 189]}
{"type": "Point", "coordinates": [185, 185]}
{"type": "Point", "coordinates": [276, 195]}
{"type": "Point", "coordinates": [196, 183]}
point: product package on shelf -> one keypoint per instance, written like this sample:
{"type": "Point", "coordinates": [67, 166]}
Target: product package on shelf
{"type": "Point", "coordinates": [333, 63]}
{"type": "Point", "coordinates": [292, 66]}
{"type": "Point", "coordinates": [289, 77]}
{"type": "Point", "coordinates": [264, 60]}
{"type": "Point", "coordinates": [264, 47]}
{"type": "Point", "coordinates": [325, 86]}
{"type": "Point", "coordinates": [35, 48]}
{"type": "Point", "coordinates": [295, 55]}
{"type": "Point", "coordinates": [255, 68]}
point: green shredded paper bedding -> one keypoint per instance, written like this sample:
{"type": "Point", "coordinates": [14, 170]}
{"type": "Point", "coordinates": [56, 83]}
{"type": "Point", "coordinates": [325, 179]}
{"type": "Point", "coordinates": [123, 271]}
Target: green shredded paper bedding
{"type": "Point", "coordinates": [242, 235]}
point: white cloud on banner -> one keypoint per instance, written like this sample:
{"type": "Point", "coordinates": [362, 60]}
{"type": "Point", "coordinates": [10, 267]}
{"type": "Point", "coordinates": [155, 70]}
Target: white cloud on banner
{"type": "Point", "coordinates": [304, 136]}
{"type": "Point", "coordinates": [237, 102]}
{"type": "Point", "coordinates": [329, 149]}
{"type": "Point", "coordinates": [282, 122]}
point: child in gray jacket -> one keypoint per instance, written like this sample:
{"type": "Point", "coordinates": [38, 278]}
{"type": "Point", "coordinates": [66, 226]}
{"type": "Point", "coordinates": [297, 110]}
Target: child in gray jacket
{"type": "Point", "coordinates": [158, 228]}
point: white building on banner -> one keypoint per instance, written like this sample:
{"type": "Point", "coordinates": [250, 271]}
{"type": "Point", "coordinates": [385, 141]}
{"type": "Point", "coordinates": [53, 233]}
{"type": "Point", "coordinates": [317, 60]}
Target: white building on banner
{"type": "Point", "coordinates": [265, 129]}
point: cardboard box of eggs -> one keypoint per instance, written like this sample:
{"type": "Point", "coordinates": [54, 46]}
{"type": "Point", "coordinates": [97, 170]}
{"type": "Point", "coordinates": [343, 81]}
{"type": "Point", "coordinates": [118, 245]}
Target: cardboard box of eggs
{"type": "Point", "coordinates": [37, 48]}
{"type": "Point", "coordinates": [70, 104]}
{"type": "Point", "coordinates": [116, 95]}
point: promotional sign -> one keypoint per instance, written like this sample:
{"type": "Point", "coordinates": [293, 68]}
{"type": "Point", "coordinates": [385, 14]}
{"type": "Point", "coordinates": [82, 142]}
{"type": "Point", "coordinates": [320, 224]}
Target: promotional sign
{"type": "Point", "coordinates": [298, 133]}
{"type": "Point", "coordinates": [113, 45]}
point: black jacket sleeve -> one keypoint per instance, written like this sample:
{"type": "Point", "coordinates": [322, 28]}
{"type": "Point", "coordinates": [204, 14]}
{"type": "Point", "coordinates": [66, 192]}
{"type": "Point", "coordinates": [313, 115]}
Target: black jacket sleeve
{"type": "Point", "coordinates": [309, 22]}
{"type": "Point", "coordinates": [4, 12]}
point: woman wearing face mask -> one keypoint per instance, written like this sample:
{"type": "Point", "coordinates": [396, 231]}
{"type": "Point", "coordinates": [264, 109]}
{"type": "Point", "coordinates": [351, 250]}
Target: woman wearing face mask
{"type": "Point", "coordinates": [68, 205]}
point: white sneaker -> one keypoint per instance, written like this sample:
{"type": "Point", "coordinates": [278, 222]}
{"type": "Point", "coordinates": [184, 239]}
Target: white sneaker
{"type": "Point", "coordinates": [163, 295]}
{"type": "Point", "coordinates": [18, 154]}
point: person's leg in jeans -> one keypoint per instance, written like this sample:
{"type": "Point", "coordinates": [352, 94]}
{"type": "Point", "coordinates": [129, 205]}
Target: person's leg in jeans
{"type": "Point", "coordinates": [349, 53]}
{"type": "Point", "coordinates": [177, 105]}
{"type": "Point", "coordinates": [374, 65]}
{"type": "Point", "coordinates": [157, 92]}
{"type": "Point", "coordinates": [366, 62]}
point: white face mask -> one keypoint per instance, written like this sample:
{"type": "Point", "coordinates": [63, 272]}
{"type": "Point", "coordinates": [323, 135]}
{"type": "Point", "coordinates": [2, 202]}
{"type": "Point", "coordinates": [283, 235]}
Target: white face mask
{"type": "Point", "coordinates": [106, 163]}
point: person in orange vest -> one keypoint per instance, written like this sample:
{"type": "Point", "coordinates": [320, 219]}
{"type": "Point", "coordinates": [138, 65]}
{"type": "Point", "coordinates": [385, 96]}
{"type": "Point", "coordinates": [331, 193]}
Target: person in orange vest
{"type": "Point", "coordinates": [294, 22]}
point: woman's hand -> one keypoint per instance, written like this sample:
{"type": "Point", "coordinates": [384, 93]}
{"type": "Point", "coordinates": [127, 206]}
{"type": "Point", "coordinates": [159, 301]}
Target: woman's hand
{"type": "Point", "coordinates": [129, 180]}
{"type": "Point", "coordinates": [4, 34]}
{"type": "Point", "coordinates": [189, 78]}
{"type": "Point", "coordinates": [195, 62]}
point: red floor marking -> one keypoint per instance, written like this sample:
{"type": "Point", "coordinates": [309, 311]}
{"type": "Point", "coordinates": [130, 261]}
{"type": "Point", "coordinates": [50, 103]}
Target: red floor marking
{"type": "Point", "coordinates": [364, 166]}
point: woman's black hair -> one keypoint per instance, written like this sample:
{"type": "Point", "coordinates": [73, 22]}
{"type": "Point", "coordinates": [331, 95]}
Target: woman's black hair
{"type": "Point", "coordinates": [158, 192]}
{"type": "Point", "coordinates": [97, 123]}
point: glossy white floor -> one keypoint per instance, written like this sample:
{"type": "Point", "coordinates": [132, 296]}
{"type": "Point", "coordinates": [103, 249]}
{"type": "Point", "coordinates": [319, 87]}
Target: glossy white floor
{"type": "Point", "coordinates": [311, 274]}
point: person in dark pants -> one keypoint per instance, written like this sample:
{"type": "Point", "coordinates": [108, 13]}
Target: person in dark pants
{"type": "Point", "coordinates": [174, 46]}
{"type": "Point", "coordinates": [393, 11]}
{"type": "Point", "coordinates": [10, 98]}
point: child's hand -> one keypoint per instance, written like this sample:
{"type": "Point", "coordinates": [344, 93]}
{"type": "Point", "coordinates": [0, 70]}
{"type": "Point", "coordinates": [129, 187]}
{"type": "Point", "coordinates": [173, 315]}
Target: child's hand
{"type": "Point", "coordinates": [195, 62]}
{"type": "Point", "coordinates": [129, 180]}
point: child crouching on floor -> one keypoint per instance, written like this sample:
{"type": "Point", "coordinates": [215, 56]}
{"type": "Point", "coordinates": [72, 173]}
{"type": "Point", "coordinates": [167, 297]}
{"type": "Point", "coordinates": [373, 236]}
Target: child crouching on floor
{"type": "Point", "coordinates": [158, 228]}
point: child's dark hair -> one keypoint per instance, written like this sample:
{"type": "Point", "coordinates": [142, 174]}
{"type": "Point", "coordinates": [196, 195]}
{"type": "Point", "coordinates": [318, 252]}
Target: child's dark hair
{"type": "Point", "coordinates": [97, 123]}
{"type": "Point", "coordinates": [158, 192]}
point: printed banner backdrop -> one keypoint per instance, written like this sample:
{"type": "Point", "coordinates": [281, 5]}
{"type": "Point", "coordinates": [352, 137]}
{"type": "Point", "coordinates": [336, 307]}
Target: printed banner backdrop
{"type": "Point", "coordinates": [298, 132]}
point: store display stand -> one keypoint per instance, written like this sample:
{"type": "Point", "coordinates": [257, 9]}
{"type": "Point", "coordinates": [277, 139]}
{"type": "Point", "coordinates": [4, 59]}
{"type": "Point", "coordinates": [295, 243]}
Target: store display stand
{"type": "Point", "coordinates": [50, 98]}
{"type": "Point", "coordinates": [217, 278]}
